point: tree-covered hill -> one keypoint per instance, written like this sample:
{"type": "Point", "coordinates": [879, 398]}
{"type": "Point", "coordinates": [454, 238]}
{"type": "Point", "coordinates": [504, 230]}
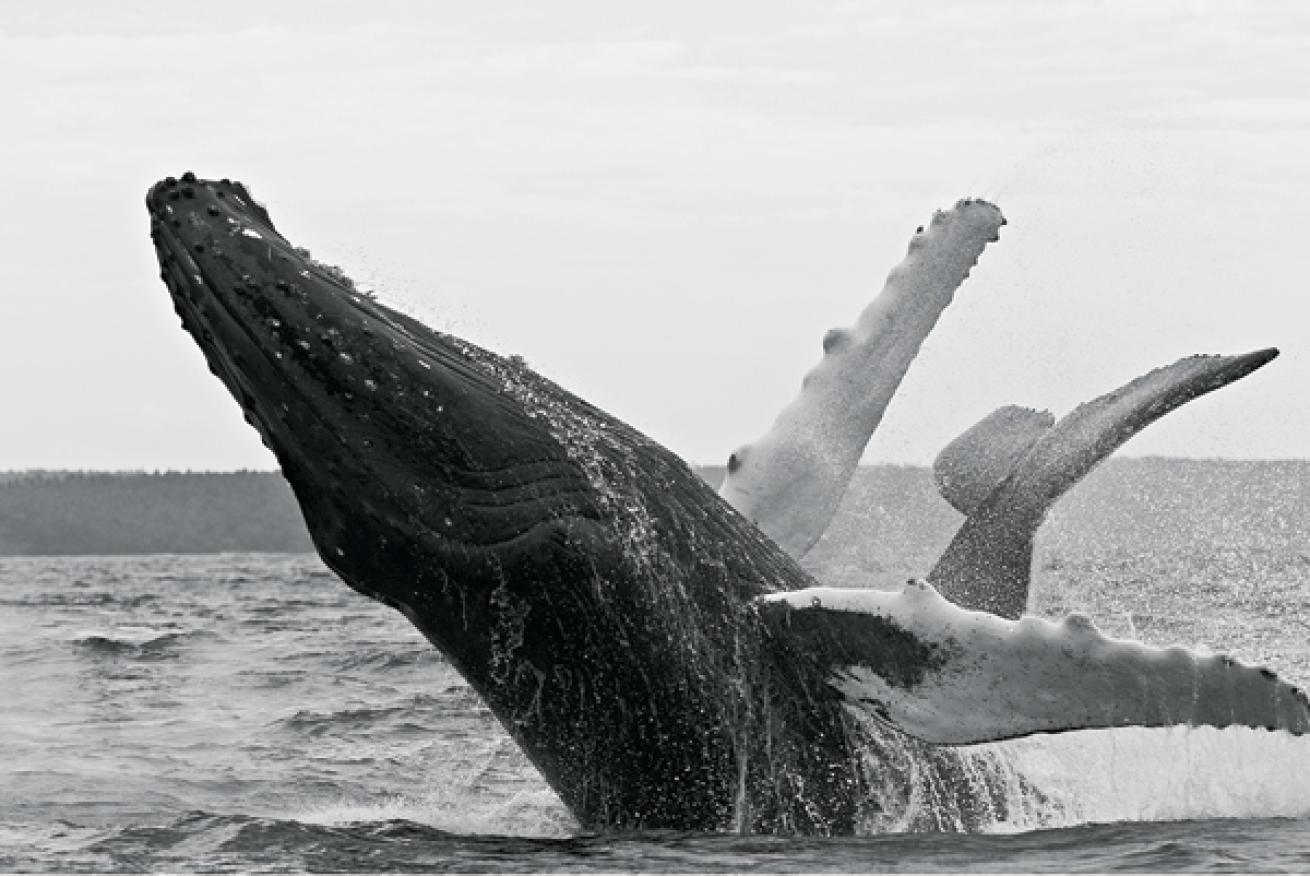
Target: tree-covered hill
{"type": "Point", "coordinates": [891, 525]}
{"type": "Point", "coordinates": [137, 513]}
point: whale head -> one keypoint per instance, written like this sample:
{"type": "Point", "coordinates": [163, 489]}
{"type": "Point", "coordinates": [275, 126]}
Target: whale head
{"type": "Point", "coordinates": [363, 407]}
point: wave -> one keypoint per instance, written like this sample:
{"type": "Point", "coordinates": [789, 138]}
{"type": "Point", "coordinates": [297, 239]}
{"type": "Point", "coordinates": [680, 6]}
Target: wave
{"type": "Point", "coordinates": [375, 841]}
{"type": "Point", "coordinates": [414, 715]}
{"type": "Point", "coordinates": [385, 658]}
{"type": "Point", "coordinates": [248, 843]}
{"type": "Point", "coordinates": [453, 810]}
{"type": "Point", "coordinates": [81, 599]}
{"type": "Point", "coordinates": [311, 723]}
{"type": "Point", "coordinates": [140, 642]}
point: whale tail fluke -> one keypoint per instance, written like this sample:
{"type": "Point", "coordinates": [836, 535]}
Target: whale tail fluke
{"type": "Point", "coordinates": [945, 675]}
{"type": "Point", "coordinates": [1007, 471]}
{"type": "Point", "coordinates": [971, 467]}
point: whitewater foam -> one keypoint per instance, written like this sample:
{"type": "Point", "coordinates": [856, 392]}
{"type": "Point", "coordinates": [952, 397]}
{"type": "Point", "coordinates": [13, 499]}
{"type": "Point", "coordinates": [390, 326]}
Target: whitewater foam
{"type": "Point", "coordinates": [1145, 774]}
{"type": "Point", "coordinates": [532, 813]}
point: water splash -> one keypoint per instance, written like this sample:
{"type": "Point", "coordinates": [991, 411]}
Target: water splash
{"type": "Point", "coordinates": [455, 809]}
{"type": "Point", "coordinates": [1086, 777]}
{"type": "Point", "coordinates": [1169, 774]}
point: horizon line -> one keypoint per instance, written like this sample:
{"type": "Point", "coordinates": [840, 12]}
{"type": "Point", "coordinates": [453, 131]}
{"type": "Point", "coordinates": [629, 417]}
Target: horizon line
{"type": "Point", "coordinates": [1151, 457]}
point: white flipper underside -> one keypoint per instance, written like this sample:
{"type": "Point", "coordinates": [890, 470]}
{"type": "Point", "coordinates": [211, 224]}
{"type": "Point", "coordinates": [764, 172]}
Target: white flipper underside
{"type": "Point", "coordinates": [790, 481]}
{"type": "Point", "coordinates": [946, 675]}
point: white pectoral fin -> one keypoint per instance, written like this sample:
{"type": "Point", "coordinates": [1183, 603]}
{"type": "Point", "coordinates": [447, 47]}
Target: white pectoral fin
{"type": "Point", "coordinates": [790, 481]}
{"type": "Point", "coordinates": [951, 676]}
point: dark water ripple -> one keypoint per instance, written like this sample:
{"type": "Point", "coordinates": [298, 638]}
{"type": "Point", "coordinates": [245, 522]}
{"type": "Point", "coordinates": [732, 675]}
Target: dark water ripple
{"type": "Point", "coordinates": [251, 844]}
{"type": "Point", "coordinates": [159, 646]}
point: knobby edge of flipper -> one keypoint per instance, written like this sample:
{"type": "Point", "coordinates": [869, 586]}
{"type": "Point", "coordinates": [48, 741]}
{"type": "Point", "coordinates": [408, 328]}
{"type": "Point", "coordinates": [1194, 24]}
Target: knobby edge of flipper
{"type": "Point", "coordinates": [790, 481]}
{"type": "Point", "coordinates": [947, 675]}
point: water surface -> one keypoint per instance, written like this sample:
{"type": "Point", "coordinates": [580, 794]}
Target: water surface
{"type": "Point", "coordinates": [250, 712]}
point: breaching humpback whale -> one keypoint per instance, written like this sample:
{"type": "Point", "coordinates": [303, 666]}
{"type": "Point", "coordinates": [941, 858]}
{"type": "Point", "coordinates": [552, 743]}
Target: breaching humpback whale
{"type": "Point", "coordinates": [662, 662]}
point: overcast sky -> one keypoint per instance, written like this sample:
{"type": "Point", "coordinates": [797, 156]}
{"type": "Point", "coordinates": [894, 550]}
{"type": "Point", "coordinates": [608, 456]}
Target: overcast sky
{"type": "Point", "coordinates": [664, 206]}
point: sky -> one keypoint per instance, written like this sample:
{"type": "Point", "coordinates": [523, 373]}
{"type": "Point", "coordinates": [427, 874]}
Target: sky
{"type": "Point", "coordinates": [664, 206]}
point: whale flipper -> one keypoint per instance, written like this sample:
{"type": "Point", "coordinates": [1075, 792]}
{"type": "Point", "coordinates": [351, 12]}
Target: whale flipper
{"type": "Point", "coordinates": [790, 481]}
{"type": "Point", "coordinates": [988, 564]}
{"type": "Point", "coordinates": [947, 675]}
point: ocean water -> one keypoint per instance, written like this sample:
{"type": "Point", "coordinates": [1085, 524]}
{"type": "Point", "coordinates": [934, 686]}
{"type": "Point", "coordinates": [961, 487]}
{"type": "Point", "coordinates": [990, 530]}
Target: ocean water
{"type": "Point", "coordinates": [251, 713]}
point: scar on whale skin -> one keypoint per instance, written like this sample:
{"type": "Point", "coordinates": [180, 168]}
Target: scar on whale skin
{"type": "Point", "coordinates": [659, 660]}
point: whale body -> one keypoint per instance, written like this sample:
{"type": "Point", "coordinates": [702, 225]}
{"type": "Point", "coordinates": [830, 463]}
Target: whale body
{"type": "Point", "coordinates": [662, 662]}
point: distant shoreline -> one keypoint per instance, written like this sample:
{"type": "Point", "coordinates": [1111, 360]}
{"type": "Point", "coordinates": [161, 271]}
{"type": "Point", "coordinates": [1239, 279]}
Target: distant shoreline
{"type": "Point", "coordinates": [49, 513]}
{"type": "Point", "coordinates": [891, 510]}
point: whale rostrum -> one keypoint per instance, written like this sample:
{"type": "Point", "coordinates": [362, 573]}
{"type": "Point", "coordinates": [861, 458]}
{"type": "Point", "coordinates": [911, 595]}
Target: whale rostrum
{"type": "Point", "coordinates": [661, 661]}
